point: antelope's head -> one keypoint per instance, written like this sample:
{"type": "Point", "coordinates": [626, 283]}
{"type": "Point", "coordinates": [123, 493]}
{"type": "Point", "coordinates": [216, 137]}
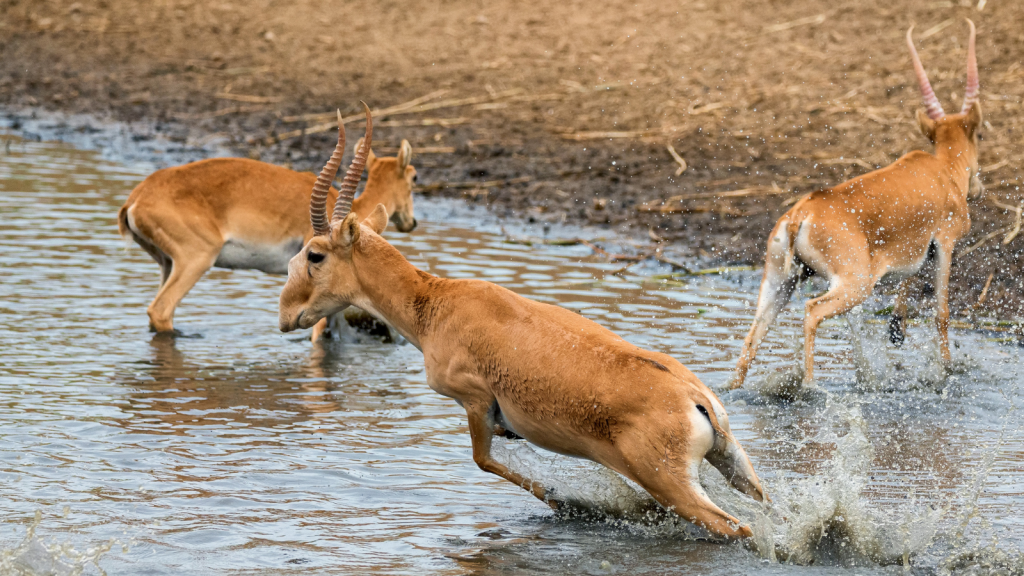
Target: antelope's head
{"type": "Point", "coordinates": [321, 277]}
{"type": "Point", "coordinates": [955, 132]}
{"type": "Point", "coordinates": [393, 179]}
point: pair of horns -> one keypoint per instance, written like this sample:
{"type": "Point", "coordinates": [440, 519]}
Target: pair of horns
{"type": "Point", "coordinates": [347, 190]}
{"type": "Point", "coordinates": [931, 103]}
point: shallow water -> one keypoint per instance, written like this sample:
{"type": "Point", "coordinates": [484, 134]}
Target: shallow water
{"type": "Point", "coordinates": [243, 450]}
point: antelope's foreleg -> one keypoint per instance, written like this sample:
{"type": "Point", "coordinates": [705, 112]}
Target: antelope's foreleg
{"type": "Point", "coordinates": [845, 293]}
{"type": "Point", "coordinates": [184, 275]}
{"type": "Point", "coordinates": [318, 329]}
{"type": "Point", "coordinates": [481, 430]}
{"type": "Point", "coordinates": [943, 264]}
{"type": "Point", "coordinates": [776, 290]}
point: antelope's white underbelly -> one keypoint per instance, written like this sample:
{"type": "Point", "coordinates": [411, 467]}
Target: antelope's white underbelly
{"type": "Point", "coordinates": [269, 258]}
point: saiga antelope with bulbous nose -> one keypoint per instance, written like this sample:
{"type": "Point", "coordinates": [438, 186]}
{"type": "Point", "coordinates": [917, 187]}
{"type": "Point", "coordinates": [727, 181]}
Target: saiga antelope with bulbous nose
{"type": "Point", "coordinates": [886, 222]}
{"type": "Point", "coordinates": [243, 214]}
{"type": "Point", "coordinates": [560, 381]}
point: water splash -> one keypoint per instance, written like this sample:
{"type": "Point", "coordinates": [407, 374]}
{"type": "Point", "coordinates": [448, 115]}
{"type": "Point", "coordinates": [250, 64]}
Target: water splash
{"type": "Point", "coordinates": [33, 556]}
{"type": "Point", "coordinates": [825, 518]}
{"type": "Point", "coordinates": [580, 484]}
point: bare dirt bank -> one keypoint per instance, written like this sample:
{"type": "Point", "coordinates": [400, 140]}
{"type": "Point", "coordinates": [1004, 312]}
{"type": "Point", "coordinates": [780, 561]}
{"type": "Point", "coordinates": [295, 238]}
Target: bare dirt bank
{"type": "Point", "coordinates": [560, 112]}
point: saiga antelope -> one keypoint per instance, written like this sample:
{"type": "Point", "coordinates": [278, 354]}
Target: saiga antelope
{"type": "Point", "coordinates": [242, 214]}
{"type": "Point", "coordinates": [539, 371]}
{"type": "Point", "coordinates": [886, 222]}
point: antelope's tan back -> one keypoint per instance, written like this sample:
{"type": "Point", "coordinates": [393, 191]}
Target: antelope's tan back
{"type": "Point", "coordinates": [238, 213]}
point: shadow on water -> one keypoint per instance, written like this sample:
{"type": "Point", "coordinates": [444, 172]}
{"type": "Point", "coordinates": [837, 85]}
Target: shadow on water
{"type": "Point", "coordinates": [245, 450]}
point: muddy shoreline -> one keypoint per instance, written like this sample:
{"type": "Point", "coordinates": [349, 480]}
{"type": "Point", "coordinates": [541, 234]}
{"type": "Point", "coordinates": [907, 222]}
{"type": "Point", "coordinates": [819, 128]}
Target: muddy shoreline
{"type": "Point", "coordinates": [512, 112]}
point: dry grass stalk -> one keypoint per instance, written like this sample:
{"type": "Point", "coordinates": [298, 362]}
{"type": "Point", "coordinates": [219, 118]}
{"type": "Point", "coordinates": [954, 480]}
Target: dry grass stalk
{"type": "Point", "coordinates": [248, 98]}
{"type": "Point", "coordinates": [393, 111]}
{"type": "Point", "coordinates": [996, 166]}
{"type": "Point", "coordinates": [324, 116]}
{"type": "Point", "coordinates": [420, 150]}
{"type": "Point", "coordinates": [471, 185]}
{"type": "Point", "coordinates": [1016, 227]}
{"type": "Point", "coordinates": [937, 28]}
{"type": "Point", "coordinates": [222, 112]}
{"type": "Point", "coordinates": [979, 243]}
{"type": "Point", "coordinates": [656, 205]}
{"type": "Point", "coordinates": [810, 20]}
{"type": "Point", "coordinates": [679, 160]}
{"type": "Point", "coordinates": [696, 108]}
{"type": "Point", "coordinates": [597, 135]}
{"type": "Point", "coordinates": [984, 291]}
{"type": "Point", "coordinates": [840, 161]}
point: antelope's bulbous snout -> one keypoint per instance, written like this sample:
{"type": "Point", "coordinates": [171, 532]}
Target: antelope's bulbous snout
{"type": "Point", "coordinates": [404, 222]}
{"type": "Point", "coordinates": [287, 323]}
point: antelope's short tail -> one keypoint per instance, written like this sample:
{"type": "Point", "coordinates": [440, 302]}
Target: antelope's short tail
{"type": "Point", "coordinates": [122, 222]}
{"type": "Point", "coordinates": [792, 229]}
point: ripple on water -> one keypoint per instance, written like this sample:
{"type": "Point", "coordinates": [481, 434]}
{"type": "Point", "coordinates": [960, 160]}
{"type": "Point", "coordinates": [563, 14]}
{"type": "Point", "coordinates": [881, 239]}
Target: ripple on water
{"type": "Point", "coordinates": [246, 450]}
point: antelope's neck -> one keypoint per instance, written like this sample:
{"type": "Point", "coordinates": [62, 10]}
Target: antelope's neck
{"type": "Point", "coordinates": [368, 200]}
{"type": "Point", "coordinates": [390, 287]}
{"type": "Point", "coordinates": [957, 157]}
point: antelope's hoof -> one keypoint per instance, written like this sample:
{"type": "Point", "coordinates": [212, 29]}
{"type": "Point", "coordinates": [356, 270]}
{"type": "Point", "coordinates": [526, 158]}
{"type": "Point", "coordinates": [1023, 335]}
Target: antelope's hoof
{"type": "Point", "coordinates": [896, 334]}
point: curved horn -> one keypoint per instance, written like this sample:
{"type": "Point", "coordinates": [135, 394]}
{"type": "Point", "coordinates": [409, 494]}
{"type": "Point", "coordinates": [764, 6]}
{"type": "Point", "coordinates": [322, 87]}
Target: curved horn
{"type": "Point", "coordinates": [347, 191]}
{"type": "Point", "coordinates": [318, 201]}
{"type": "Point", "coordinates": [931, 103]}
{"type": "Point", "coordinates": [971, 91]}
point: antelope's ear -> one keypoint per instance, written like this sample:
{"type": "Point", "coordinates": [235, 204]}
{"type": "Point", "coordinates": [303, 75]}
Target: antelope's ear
{"type": "Point", "coordinates": [926, 124]}
{"type": "Point", "coordinates": [346, 233]}
{"type": "Point", "coordinates": [370, 156]}
{"type": "Point", "coordinates": [378, 219]}
{"type": "Point", "coordinates": [972, 119]}
{"type": "Point", "coordinates": [404, 157]}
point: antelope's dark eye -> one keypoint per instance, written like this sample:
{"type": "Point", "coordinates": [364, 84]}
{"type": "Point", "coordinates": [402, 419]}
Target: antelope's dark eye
{"type": "Point", "coordinates": [981, 136]}
{"type": "Point", "coordinates": [415, 177]}
{"type": "Point", "coordinates": [315, 258]}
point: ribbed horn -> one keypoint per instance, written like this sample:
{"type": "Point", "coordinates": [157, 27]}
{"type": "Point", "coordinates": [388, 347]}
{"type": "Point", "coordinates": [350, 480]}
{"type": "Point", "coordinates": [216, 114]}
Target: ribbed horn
{"type": "Point", "coordinates": [931, 103]}
{"type": "Point", "coordinates": [347, 191]}
{"type": "Point", "coordinates": [971, 91]}
{"type": "Point", "coordinates": [318, 200]}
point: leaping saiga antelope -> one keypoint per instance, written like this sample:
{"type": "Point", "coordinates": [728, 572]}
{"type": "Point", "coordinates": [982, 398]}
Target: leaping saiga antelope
{"type": "Point", "coordinates": [242, 214]}
{"type": "Point", "coordinates": [886, 222]}
{"type": "Point", "coordinates": [538, 371]}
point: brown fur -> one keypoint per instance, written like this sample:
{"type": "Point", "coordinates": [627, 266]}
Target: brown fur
{"type": "Point", "coordinates": [183, 216]}
{"type": "Point", "coordinates": [884, 222]}
{"type": "Point", "coordinates": [557, 379]}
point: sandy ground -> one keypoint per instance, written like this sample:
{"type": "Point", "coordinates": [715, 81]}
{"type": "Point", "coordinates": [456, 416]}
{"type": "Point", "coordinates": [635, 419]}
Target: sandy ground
{"type": "Point", "coordinates": [560, 112]}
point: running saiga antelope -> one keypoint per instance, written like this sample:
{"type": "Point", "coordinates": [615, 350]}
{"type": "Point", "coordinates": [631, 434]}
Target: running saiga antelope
{"type": "Point", "coordinates": [242, 214]}
{"type": "Point", "coordinates": [538, 371]}
{"type": "Point", "coordinates": [886, 222]}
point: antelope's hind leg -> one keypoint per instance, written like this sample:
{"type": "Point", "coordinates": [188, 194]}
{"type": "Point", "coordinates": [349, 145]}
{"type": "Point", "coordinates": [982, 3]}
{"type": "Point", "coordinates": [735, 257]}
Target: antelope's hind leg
{"type": "Point", "coordinates": [671, 477]}
{"type": "Point", "coordinates": [898, 320]}
{"type": "Point", "coordinates": [943, 264]}
{"type": "Point", "coordinates": [481, 431]}
{"type": "Point", "coordinates": [781, 276]}
{"type": "Point", "coordinates": [845, 293]}
{"type": "Point", "coordinates": [182, 278]}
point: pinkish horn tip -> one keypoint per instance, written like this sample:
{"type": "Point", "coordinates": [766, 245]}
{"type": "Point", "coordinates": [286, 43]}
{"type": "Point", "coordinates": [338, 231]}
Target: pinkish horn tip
{"type": "Point", "coordinates": [931, 103]}
{"type": "Point", "coordinates": [972, 89]}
